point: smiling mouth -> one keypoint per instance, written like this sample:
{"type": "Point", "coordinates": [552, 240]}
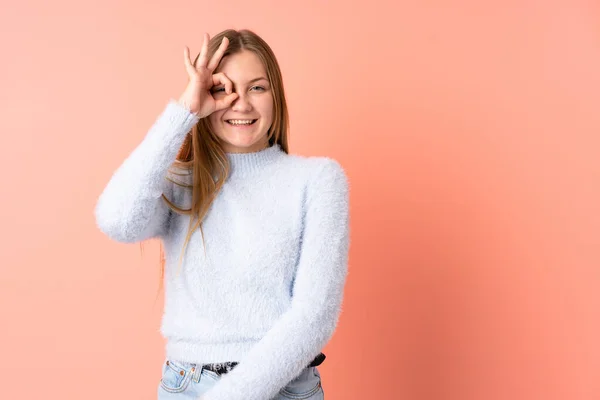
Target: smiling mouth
{"type": "Point", "coordinates": [243, 124]}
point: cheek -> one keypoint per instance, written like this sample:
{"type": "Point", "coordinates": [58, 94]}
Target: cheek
{"type": "Point", "coordinates": [215, 118]}
{"type": "Point", "coordinates": [266, 108]}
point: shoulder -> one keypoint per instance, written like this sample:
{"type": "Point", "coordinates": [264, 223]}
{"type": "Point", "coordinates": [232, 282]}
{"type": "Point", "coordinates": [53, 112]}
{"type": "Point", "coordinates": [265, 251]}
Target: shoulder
{"type": "Point", "coordinates": [319, 174]}
{"type": "Point", "coordinates": [329, 173]}
{"type": "Point", "coordinates": [314, 167]}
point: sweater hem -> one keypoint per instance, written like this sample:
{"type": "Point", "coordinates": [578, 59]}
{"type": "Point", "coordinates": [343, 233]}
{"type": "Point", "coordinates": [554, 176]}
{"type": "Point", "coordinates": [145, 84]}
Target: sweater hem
{"type": "Point", "coordinates": [206, 353]}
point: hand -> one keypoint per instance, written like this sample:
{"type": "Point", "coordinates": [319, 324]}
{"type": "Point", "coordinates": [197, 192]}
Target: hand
{"type": "Point", "coordinates": [197, 96]}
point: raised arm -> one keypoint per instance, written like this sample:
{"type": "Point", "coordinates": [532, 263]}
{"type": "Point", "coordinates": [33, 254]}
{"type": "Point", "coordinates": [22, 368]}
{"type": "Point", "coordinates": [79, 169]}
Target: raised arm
{"type": "Point", "coordinates": [131, 208]}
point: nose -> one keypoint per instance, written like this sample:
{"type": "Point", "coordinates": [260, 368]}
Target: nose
{"type": "Point", "coordinates": [241, 104]}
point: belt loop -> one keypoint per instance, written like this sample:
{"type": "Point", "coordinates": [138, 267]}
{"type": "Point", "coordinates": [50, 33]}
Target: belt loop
{"type": "Point", "coordinates": [197, 373]}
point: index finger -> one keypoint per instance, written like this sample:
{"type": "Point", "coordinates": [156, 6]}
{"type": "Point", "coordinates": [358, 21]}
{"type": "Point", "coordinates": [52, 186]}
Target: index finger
{"type": "Point", "coordinates": [218, 54]}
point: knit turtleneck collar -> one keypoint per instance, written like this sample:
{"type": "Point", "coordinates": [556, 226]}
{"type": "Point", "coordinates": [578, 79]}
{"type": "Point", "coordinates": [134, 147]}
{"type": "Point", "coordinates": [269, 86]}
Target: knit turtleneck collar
{"type": "Point", "coordinates": [243, 164]}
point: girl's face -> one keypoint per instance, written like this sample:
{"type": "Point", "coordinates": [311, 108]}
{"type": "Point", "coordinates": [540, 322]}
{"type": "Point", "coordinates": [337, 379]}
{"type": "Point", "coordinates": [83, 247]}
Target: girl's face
{"type": "Point", "coordinates": [254, 103]}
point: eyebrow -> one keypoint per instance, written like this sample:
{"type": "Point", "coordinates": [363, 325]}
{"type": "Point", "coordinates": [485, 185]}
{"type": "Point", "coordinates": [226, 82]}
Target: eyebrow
{"type": "Point", "coordinates": [257, 79]}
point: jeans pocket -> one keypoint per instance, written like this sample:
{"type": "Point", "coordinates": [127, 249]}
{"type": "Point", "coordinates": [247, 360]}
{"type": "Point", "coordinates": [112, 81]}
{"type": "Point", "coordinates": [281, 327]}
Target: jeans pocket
{"type": "Point", "coordinates": [305, 386]}
{"type": "Point", "coordinates": [175, 376]}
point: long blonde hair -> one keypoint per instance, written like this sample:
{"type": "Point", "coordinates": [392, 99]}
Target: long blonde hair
{"type": "Point", "coordinates": [201, 153]}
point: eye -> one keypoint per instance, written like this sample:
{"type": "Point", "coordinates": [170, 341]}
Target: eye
{"type": "Point", "coordinates": [222, 89]}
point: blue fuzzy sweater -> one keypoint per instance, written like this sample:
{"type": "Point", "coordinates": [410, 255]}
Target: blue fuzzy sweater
{"type": "Point", "coordinates": [268, 291]}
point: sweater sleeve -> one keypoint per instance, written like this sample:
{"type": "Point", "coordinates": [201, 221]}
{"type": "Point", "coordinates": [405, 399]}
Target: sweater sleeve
{"type": "Point", "coordinates": [310, 321]}
{"type": "Point", "coordinates": [130, 208]}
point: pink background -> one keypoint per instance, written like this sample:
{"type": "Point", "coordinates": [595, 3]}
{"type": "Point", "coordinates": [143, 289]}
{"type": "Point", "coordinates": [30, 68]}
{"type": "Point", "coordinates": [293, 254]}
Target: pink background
{"type": "Point", "coordinates": [469, 131]}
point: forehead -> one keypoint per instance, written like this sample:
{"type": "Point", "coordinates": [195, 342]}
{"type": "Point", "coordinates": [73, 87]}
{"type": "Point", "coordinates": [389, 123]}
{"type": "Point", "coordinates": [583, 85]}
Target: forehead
{"type": "Point", "coordinates": [242, 66]}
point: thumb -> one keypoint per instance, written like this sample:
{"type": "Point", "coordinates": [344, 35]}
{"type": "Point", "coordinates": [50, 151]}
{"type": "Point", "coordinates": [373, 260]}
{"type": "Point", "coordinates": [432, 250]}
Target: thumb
{"type": "Point", "coordinates": [226, 102]}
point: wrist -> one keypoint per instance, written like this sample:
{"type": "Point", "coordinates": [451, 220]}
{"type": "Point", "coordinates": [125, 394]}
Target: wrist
{"type": "Point", "coordinates": [183, 103]}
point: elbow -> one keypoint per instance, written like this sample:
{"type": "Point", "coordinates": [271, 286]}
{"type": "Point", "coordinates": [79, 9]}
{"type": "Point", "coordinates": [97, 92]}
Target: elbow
{"type": "Point", "coordinates": [112, 224]}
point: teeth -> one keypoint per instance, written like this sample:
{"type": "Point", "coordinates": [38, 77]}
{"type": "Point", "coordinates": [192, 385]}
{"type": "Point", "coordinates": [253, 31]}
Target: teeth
{"type": "Point", "coordinates": [240, 121]}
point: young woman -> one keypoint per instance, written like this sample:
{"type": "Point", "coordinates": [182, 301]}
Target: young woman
{"type": "Point", "coordinates": [255, 239]}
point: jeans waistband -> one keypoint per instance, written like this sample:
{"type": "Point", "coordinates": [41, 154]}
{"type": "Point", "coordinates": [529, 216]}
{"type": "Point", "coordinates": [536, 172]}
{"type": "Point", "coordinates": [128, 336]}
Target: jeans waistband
{"type": "Point", "coordinates": [225, 367]}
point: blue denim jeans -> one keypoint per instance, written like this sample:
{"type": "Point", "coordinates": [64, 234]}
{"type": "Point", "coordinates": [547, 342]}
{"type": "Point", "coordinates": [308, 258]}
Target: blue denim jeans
{"type": "Point", "coordinates": [187, 381]}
